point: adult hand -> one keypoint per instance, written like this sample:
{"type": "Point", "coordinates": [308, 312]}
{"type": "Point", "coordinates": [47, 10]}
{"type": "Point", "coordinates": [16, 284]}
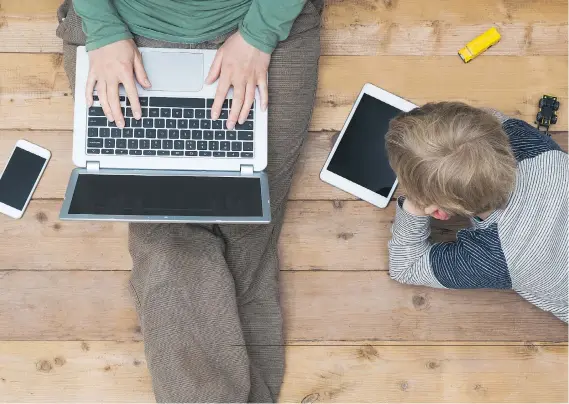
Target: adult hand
{"type": "Point", "coordinates": [244, 67]}
{"type": "Point", "coordinates": [117, 63]}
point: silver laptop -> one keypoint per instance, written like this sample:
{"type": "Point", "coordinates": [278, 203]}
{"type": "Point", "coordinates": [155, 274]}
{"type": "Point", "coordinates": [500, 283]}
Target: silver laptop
{"type": "Point", "coordinates": [175, 164]}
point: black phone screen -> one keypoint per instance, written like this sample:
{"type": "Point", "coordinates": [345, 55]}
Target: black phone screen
{"type": "Point", "coordinates": [19, 178]}
{"type": "Point", "coordinates": [361, 156]}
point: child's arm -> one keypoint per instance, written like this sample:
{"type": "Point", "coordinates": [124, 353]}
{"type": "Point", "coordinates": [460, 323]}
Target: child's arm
{"type": "Point", "coordinates": [474, 260]}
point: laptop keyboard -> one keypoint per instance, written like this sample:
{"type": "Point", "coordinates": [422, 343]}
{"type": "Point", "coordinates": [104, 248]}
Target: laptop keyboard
{"type": "Point", "coordinates": [175, 127]}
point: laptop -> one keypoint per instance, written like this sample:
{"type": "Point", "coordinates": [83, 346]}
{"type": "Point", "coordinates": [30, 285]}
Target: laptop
{"type": "Point", "coordinates": [175, 164]}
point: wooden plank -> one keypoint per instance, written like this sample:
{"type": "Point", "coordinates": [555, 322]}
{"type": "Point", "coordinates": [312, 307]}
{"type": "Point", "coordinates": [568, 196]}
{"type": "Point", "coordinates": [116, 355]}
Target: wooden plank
{"type": "Point", "coordinates": [34, 92]}
{"type": "Point", "coordinates": [306, 186]}
{"type": "Point", "coordinates": [337, 228]}
{"type": "Point", "coordinates": [317, 305]}
{"type": "Point", "coordinates": [95, 371]}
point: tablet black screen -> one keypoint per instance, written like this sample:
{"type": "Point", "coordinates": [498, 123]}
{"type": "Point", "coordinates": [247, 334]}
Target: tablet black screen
{"type": "Point", "coordinates": [361, 156]}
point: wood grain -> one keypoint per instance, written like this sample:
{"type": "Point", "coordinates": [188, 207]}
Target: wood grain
{"type": "Point", "coordinates": [34, 92]}
{"type": "Point", "coordinates": [317, 305]}
{"type": "Point", "coordinates": [96, 371]}
{"type": "Point", "coordinates": [320, 235]}
{"type": "Point", "coordinates": [306, 185]}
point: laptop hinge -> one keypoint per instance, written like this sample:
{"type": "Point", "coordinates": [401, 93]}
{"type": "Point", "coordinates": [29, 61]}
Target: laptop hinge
{"type": "Point", "coordinates": [93, 166]}
{"type": "Point", "coordinates": [246, 170]}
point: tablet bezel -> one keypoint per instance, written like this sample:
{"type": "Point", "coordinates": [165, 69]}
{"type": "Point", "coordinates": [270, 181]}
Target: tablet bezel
{"type": "Point", "coordinates": [345, 184]}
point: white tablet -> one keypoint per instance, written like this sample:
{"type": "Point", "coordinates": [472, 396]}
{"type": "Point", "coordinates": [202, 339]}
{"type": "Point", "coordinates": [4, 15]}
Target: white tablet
{"type": "Point", "coordinates": [358, 161]}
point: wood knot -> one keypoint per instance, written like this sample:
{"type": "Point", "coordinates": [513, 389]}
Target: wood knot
{"type": "Point", "coordinates": [367, 353]}
{"type": "Point", "coordinates": [136, 362]}
{"type": "Point", "coordinates": [56, 226]}
{"type": "Point", "coordinates": [43, 366]}
{"type": "Point", "coordinates": [345, 236]}
{"type": "Point", "coordinates": [338, 204]}
{"type": "Point", "coordinates": [433, 365]}
{"type": "Point", "coordinates": [419, 302]}
{"type": "Point", "coordinates": [85, 346]}
{"type": "Point", "coordinates": [390, 4]}
{"type": "Point", "coordinates": [107, 368]}
{"type": "Point", "coordinates": [41, 217]}
{"type": "Point", "coordinates": [311, 398]}
{"type": "Point", "coordinates": [530, 348]}
{"type": "Point", "coordinates": [59, 361]}
{"type": "Point", "coordinates": [403, 385]}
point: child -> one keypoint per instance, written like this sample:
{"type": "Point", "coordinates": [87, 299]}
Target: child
{"type": "Point", "coordinates": [512, 181]}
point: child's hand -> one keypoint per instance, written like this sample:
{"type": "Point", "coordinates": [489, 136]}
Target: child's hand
{"type": "Point", "coordinates": [411, 208]}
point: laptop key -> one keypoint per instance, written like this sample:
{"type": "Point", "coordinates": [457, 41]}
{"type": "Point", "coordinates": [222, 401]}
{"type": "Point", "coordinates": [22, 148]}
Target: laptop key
{"type": "Point", "coordinates": [167, 144]}
{"type": "Point", "coordinates": [112, 124]}
{"type": "Point", "coordinates": [128, 112]}
{"type": "Point", "coordinates": [219, 135]}
{"type": "Point", "coordinates": [231, 135]}
{"type": "Point", "coordinates": [170, 123]}
{"type": "Point", "coordinates": [150, 133]}
{"type": "Point", "coordinates": [126, 122]}
{"type": "Point", "coordinates": [148, 122]}
{"type": "Point", "coordinates": [214, 145]}
{"type": "Point", "coordinates": [196, 134]}
{"type": "Point", "coordinates": [190, 144]}
{"type": "Point", "coordinates": [177, 153]}
{"type": "Point", "coordinates": [162, 134]}
{"type": "Point", "coordinates": [115, 132]}
{"type": "Point", "coordinates": [250, 116]}
{"type": "Point", "coordinates": [154, 112]}
{"type": "Point", "coordinates": [156, 144]}
{"type": "Point", "coordinates": [247, 154]}
{"type": "Point", "coordinates": [121, 151]}
{"type": "Point", "coordinates": [191, 153]}
{"type": "Point", "coordinates": [174, 134]}
{"type": "Point", "coordinates": [182, 123]}
{"type": "Point", "coordinates": [96, 111]}
{"type": "Point", "coordinates": [235, 146]}
{"type": "Point", "coordinates": [121, 143]}
{"type": "Point", "coordinates": [205, 154]}
{"type": "Point", "coordinates": [144, 144]}
{"type": "Point", "coordinates": [97, 122]}
{"type": "Point", "coordinates": [133, 144]}
{"type": "Point", "coordinates": [149, 152]}
{"type": "Point", "coordinates": [202, 145]}
{"type": "Point", "coordinates": [200, 113]}
{"type": "Point", "coordinates": [108, 151]}
{"type": "Point", "coordinates": [193, 124]}
{"type": "Point", "coordinates": [136, 123]}
{"type": "Point", "coordinates": [94, 142]}
{"type": "Point", "coordinates": [177, 113]}
{"type": "Point", "coordinates": [165, 112]}
{"type": "Point", "coordinates": [205, 124]}
{"type": "Point", "coordinates": [92, 132]}
{"type": "Point", "coordinates": [179, 144]}
{"type": "Point", "coordinates": [186, 134]}
{"type": "Point", "coordinates": [143, 101]}
{"type": "Point", "coordinates": [217, 124]}
{"type": "Point", "coordinates": [224, 114]}
{"type": "Point", "coordinates": [144, 112]}
{"type": "Point", "coordinates": [127, 132]}
{"type": "Point", "coordinates": [110, 143]}
{"type": "Point", "coordinates": [159, 123]}
{"type": "Point", "coordinates": [247, 125]}
{"type": "Point", "coordinates": [247, 146]}
{"type": "Point", "coordinates": [208, 113]}
{"type": "Point", "coordinates": [139, 133]}
{"type": "Point", "coordinates": [188, 113]}
{"type": "Point", "coordinates": [163, 152]}
{"type": "Point", "coordinates": [218, 154]}
{"type": "Point", "coordinates": [135, 152]}
{"type": "Point", "coordinates": [177, 102]}
{"type": "Point", "coordinates": [208, 134]}
{"type": "Point", "coordinates": [225, 146]}
{"type": "Point", "coordinates": [93, 151]}
{"type": "Point", "coordinates": [233, 154]}
{"type": "Point", "coordinates": [245, 135]}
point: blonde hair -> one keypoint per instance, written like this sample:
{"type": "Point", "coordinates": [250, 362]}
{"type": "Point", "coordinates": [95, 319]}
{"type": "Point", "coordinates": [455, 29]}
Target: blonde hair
{"type": "Point", "coordinates": [454, 156]}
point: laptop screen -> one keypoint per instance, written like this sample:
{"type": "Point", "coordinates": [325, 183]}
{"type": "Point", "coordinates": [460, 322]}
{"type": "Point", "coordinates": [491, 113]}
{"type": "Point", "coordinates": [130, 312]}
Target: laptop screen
{"type": "Point", "coordinates": [163, 195]}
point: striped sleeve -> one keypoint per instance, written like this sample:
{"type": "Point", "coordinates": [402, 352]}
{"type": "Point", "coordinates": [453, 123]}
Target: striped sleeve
{"type": "Point", "coordinates": [474, 260]}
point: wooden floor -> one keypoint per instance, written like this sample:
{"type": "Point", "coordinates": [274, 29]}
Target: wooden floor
{"type": "Point", "coordinates": [68, 330]}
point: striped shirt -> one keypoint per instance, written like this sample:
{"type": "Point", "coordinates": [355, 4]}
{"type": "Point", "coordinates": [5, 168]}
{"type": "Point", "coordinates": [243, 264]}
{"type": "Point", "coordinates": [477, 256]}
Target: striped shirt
{"type": "Point", "coordinates": [521, 247]}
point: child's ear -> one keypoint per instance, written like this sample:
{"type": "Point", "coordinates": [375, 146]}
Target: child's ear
{"type": "Point", "coordinates": [440, 215]}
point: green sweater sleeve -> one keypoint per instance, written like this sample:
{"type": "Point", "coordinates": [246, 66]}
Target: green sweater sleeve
{"type": "Point", "coordinates": [101, 23]}
{"type": "Point", "coordinates": [269, 21]}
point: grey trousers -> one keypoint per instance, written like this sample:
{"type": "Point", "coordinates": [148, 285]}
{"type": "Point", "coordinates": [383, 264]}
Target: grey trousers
{"type": "Point", "coordinates": [207, 296]}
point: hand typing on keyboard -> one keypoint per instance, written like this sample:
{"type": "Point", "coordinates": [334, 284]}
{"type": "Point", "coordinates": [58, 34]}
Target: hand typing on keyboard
{"type": "Point", "coordinates": [244, 67]}
{"type": "Point", "coordinates": [117, 63]}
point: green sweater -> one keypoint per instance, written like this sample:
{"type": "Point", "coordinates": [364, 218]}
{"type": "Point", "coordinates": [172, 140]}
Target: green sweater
{"type": "Point", "coordinates": [263, 23]}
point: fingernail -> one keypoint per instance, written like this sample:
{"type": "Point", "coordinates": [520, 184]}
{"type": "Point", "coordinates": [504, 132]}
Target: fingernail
{"type": "Point", "coordinates": [138, 116]}
{"type": "Point", "coordinates": [230, 124]}
{"type": "Point", "coordinates": [147, 82]}
{"type": "Point", "coordinates": [264, 107]}
{"type": "Point", "coordinates": [120, 124]}
{"type": "Point", "coordinates": [111, 119]}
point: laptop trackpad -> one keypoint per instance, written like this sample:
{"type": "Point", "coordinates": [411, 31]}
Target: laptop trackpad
{"type": "Point", "coordinates": [174, 71]}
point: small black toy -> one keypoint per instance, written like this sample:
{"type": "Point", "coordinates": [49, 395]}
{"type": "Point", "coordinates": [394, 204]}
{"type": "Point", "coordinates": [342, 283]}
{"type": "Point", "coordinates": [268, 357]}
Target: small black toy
{"type": "Point", "coordinates": [547, 115]}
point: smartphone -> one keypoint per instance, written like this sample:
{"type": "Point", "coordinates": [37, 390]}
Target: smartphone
{"type": "Point", "coordinates": [21, 176]}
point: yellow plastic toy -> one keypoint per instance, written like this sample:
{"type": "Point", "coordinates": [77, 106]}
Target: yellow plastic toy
{"type": "Point", "coordinates": [479, 44]}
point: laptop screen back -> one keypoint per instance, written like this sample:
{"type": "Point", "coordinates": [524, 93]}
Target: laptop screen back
{"type": "Point", "coordinates": [166, 195]}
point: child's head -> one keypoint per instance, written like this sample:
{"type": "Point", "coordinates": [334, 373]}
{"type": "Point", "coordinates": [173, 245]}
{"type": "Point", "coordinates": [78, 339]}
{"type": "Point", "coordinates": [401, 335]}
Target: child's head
{"type": "Point", "coordinates": [452, 157]}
